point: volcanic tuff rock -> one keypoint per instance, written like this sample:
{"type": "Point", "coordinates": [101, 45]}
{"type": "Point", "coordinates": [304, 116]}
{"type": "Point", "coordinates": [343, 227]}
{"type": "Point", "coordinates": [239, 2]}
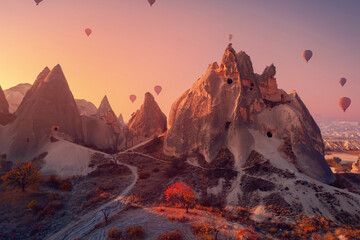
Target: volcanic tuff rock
{"type": "Point", "coordinates": [5, 116]}
{"type": "Point", "coordinates": [103, 130]}
{"type": "Point", "coordinates": [232, 107]}
{"type": "Point", "coordinates": [15, 95]}
{"type": "Point", "coordinates": [4, 105]}
{"type": "Point", "coordinates": [148, 121]}
{"type": "Point", "coordinates": [85, 107]}
{"type": "Point", "coordinates": [47, 106]}
{"type": "Point", "coordinates": [356, 166]}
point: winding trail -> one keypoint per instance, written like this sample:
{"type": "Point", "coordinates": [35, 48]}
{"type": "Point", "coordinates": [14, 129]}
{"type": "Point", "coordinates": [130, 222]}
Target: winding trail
{"type": "Point", "coordinates": [86, 223]}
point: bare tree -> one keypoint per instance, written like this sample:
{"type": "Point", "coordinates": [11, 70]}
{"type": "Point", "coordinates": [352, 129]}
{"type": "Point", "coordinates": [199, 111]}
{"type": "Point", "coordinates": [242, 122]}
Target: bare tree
{"type": "Point", "coordinates": [106, 213]}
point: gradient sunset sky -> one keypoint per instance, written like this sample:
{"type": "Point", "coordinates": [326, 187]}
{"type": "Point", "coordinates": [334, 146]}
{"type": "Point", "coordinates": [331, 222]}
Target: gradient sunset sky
{"type": "Point", "coordinates": [134, 47]}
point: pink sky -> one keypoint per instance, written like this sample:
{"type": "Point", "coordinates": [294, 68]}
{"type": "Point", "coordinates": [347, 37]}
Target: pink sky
{"type": "Point", "coordinates": [135, 47]}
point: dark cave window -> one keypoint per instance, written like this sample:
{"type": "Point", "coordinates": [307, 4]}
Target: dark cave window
{"type": "Point", "coordinates": [252, 84]}
{"type": "Point", "coordinates": [269, 134]}
{"type": "Point", "coordinates": [55, 129]}
{"type": "Point", "coordinates": [227, 125]}
{"type": "Point", "coordinates": [251, 89]}
{"type": "Point", "coordinates": [229, 81]}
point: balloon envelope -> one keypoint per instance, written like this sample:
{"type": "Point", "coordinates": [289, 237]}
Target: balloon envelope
{"type": "Point", "coordinates": [342, 81]}
{"type": "Point", "coordinates": [38, 1]}
{"type": "Point", "coordinates": [307, 54]}
{"type": "Point", "coordinates": [151, 2]}
{"type": "Point", "coordinates": [157, 89]}
{"type": "Point", "coordinates": [88, 31]}
{"type": "Point", "coordinates": [230, 36]}
{"type": "Point", "coordinates": [132, 98]}
{"type": "Point", "coordinates": [344, 103]}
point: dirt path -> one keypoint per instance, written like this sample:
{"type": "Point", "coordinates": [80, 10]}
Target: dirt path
{"type": "Point", "coordinates": [86, 223]}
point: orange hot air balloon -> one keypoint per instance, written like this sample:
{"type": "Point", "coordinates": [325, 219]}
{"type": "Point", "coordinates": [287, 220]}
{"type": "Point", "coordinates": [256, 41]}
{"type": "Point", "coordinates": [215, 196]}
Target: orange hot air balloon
{"type": "Point", "coordinates": [88, 31]}
{"type": "Point", "coordinates": [151, 2]}
{"type": "Point", "coordinates": [132, 98]}
{"type": "Point", "coordinates": [230, 36]}
{"type": "Point", "coordinates": [307, 54]}
{"type": "Point", "coordinates": [342, 81]}
{"type": "Point", "coordinates": [38, 1]}
{"type": "Point", "coordinates": [344, 103]}
{"type": "Point", "coordinates": [157, 89]}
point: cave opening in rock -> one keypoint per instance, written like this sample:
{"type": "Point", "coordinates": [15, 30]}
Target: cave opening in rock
{"type": "Point", "coordinates": [252, 84]}
{"type": "Point", "coordinates": [55, 129]}
{"type": "Point", "coordinates": [229, 81]}
{"type": "Point", "coordinates": [227, 125]}
{"type": "Point", "coordinates": [269, 134]}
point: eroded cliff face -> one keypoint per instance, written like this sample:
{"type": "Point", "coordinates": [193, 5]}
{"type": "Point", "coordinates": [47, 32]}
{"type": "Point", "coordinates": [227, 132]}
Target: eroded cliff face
{"type": "Point", "coordinates": [146, 122]}
{"type": "Point", "coordinates": [47, 108]}
{"type": "Point", "coordinates": [234, 108]}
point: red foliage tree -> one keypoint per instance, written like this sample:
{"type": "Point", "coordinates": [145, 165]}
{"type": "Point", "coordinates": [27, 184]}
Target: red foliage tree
{"type": "Point", "coordinates": [180, 192]}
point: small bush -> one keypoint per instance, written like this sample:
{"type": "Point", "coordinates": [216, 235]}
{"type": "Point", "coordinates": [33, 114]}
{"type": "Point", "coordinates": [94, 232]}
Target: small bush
{"type": "Point", "coordinates": [65, 186]}
{"type": "Point", "coordinates": [246, 234]}
{"type": "Point", "coordinates": [135, 232]}
{"type": "Point", "coordinates": [202, 229]}
{"type": "Point", "coordinates": [53, 182]}
{"type": "Point", "coordinates": [51, 209]}
{"type": "Point", "coordinates": [114, 233]}
{"type": "Point", "coordinates": [144, 175]}
{"type": "Point", "coordinates": [178, 218]}
{"type": "Point", "coordinates": [174, 235]}
{"type": "Point", "coordinates": [31, 204]}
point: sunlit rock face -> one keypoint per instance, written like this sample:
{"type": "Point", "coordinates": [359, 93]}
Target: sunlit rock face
{"type": "Point", "coordinates": [231, 107]}
{"type": "Point", "coordinates": [85, 107]}
{"type": "Point", "coordinates": [356, 166]}
{"type": "Point", "coordinates": [47, 104]}
{"type": "Point", "coordinates": [148, 121]}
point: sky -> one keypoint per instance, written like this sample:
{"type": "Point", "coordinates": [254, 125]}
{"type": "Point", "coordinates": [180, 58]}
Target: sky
{"type": "Point", "coordinates": [134, 47]}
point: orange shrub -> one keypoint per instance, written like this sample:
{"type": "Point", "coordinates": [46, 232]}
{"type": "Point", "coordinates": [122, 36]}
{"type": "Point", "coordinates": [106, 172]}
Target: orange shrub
{"type": "Point", "coordinates": [65, 186]}
{"type": "Point", "coordinates": [135, 232]}
{"type": "Point", "coordinates": [246, 234]}
{"type": "Point", "coordinates": [174, 235]}
{"type": "Point", "coordinates": [202, 229]}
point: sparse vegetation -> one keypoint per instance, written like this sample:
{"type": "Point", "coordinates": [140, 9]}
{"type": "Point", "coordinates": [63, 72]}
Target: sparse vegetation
{"type": "Point", "coordinates": [22, 175]}
{"type": "Point", "coordinates": [135, 232]}
{"type": "Point", "coordinates": [174, 235]}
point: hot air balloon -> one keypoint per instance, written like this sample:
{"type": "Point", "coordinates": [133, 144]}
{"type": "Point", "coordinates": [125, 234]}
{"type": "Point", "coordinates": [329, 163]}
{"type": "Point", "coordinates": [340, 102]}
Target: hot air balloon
{"type": "Point", "coordinates": [151, 2]}
{"type": "Point", "coordinates": [230, 36]}
{"type": "Point", "coordinates": [88, 31]}
{"type": "Point", "coordinates": [157, 89]}
{"type": "Point", "coordinates": [38, 1]}
{"type": "Point", "coordinates": [342, 81]}
{"type": "Point", "coordinates": [307, 54]}
{"type": "Point", "coordinates": [344, 103]}
{"type": "Point", "coordinates": [132, 98]}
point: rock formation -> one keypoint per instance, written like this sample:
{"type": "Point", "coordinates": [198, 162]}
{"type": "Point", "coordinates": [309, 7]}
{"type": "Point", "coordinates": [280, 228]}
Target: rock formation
{"type": "Point", "coordinates": [231, 107]}
{"type": "Point", "coordinates": [4, 105]}
{"type": "Point", "coordinates": [103, 130]}
{"type": "Point", "coordinates": [356, 166]}
{"type": "Point", "coordinates": [47, 108]}
{"type": "Point", "coordinates": [148, 121]}
{"type": "Point", "coordinates": [85, 107]}
{"type": "Point", "coordinates": [15, 95]}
